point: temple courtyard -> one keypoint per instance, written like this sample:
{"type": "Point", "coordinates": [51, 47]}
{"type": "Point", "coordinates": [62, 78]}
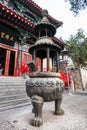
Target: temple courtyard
{"type": "Point", "coordinates": [74, 118]}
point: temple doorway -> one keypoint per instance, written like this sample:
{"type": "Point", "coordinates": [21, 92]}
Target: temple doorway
{"type": "Point", "coordinates": [3, 58]}
{"type": "Point", "coordinates": [7, 60]}
{"type": "Point", "coordinates": [11, 63]}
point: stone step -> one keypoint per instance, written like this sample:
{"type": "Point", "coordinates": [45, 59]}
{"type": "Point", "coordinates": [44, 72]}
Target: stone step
{"type": "Point", "coordinates": [12, 86]}
{"type": "Point", "coordinates": [9, 86]}
{"type": "Point", "coordinates": [12, 92]}
{"type": "Point", "coordinates": [11, 97]}
{"type": "Point", "coordinates": [15, 106]}
{"type": "Point", "coordinates": [13, 101]}
{"type": "Point", "coordinates": [8, 78]}
{"type": "Point", "coordinates": [11, 83]}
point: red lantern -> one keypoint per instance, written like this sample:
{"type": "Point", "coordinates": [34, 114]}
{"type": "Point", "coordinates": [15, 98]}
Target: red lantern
{"type": "Point", "coordinates": [24, 68]}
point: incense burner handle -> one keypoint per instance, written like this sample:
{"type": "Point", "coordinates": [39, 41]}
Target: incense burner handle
{"type": "Point", "coordinates": [32, 66]}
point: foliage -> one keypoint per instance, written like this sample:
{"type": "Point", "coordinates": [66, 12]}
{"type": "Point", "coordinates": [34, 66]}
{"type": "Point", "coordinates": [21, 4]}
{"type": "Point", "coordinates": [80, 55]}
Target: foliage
{"type": "Point", "coordinates": [77, 5]}
{"type": "Point", "coordinates": [77, 44]}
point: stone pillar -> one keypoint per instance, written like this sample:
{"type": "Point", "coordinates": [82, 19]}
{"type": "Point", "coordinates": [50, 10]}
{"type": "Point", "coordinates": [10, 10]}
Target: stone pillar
{"type": "Point", "coordinates": [34, 56]}
{"type": "Point", "coordinates": [41, 64]}
{"type": "Point", "coordinates": [57, 62]}
{"type": "Point", "coordinates": [48, 58]}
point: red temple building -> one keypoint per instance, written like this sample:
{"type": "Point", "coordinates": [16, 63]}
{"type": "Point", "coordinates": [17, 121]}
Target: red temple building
{"type": "Point", "coordinates": [17, 20]}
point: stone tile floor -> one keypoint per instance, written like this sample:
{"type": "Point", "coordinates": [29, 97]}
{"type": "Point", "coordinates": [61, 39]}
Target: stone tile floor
{"type": "Point", "coordinates": [75, 117]}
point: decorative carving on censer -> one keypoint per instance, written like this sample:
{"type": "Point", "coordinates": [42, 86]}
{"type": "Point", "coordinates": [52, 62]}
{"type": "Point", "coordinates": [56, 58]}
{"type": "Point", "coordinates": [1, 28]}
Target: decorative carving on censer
{"type": "Point", "coordinates": [44, 86]}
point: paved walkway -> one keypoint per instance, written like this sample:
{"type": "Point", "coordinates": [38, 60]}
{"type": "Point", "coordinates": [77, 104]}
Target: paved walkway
{"type": "Point", "coordinates": [80, 91]}
{"type": "Point", "coordinates": [75, 117]}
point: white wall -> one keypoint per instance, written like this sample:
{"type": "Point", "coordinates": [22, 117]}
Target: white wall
{"type": "Point", "coordinates": [84, 76]}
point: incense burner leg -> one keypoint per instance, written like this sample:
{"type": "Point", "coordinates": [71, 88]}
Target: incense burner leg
{"type": "Point", "coordinates": [37, 103]}
{"type": "Point", "coordinates": [58, 110]}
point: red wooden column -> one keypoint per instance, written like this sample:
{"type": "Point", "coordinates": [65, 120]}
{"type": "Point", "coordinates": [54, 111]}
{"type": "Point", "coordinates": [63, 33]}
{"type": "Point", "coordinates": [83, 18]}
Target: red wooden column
{"type": "Point", "coordinates": [16, 73]}
{"type": "Point", "coordinates": [7, 63]}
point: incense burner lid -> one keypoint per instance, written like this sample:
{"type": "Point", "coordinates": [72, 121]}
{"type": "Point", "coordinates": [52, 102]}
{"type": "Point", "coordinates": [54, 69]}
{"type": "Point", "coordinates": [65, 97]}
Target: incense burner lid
{"type": "Point", "coordinates": [44, 74]}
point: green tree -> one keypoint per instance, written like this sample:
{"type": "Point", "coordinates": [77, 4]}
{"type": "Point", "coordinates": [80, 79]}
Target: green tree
{"type": "Point", "coordinates": [77, 5]}
{"type": "Point", "coordinates": [77, 44]}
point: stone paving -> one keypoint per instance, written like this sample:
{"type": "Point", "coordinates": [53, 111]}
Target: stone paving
{"type": "Point", "coordinates": [75, 117]}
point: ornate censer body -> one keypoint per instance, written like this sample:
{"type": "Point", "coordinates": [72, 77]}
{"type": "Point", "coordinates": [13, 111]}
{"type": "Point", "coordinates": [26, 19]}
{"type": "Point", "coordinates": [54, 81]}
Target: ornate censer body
{"type": "Point", "coordinates": [44, 86]}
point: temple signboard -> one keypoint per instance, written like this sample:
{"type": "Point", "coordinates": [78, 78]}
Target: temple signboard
{"type": "Point", "coordinates": [8, 35]}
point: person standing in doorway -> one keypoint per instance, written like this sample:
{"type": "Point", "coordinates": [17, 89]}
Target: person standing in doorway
{"type": "Point", "coordinates": [1, 69]}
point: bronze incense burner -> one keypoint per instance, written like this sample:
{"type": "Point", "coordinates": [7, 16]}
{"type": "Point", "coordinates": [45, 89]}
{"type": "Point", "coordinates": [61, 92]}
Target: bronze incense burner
{"type": "Point", "coordinates": [44, 86]}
